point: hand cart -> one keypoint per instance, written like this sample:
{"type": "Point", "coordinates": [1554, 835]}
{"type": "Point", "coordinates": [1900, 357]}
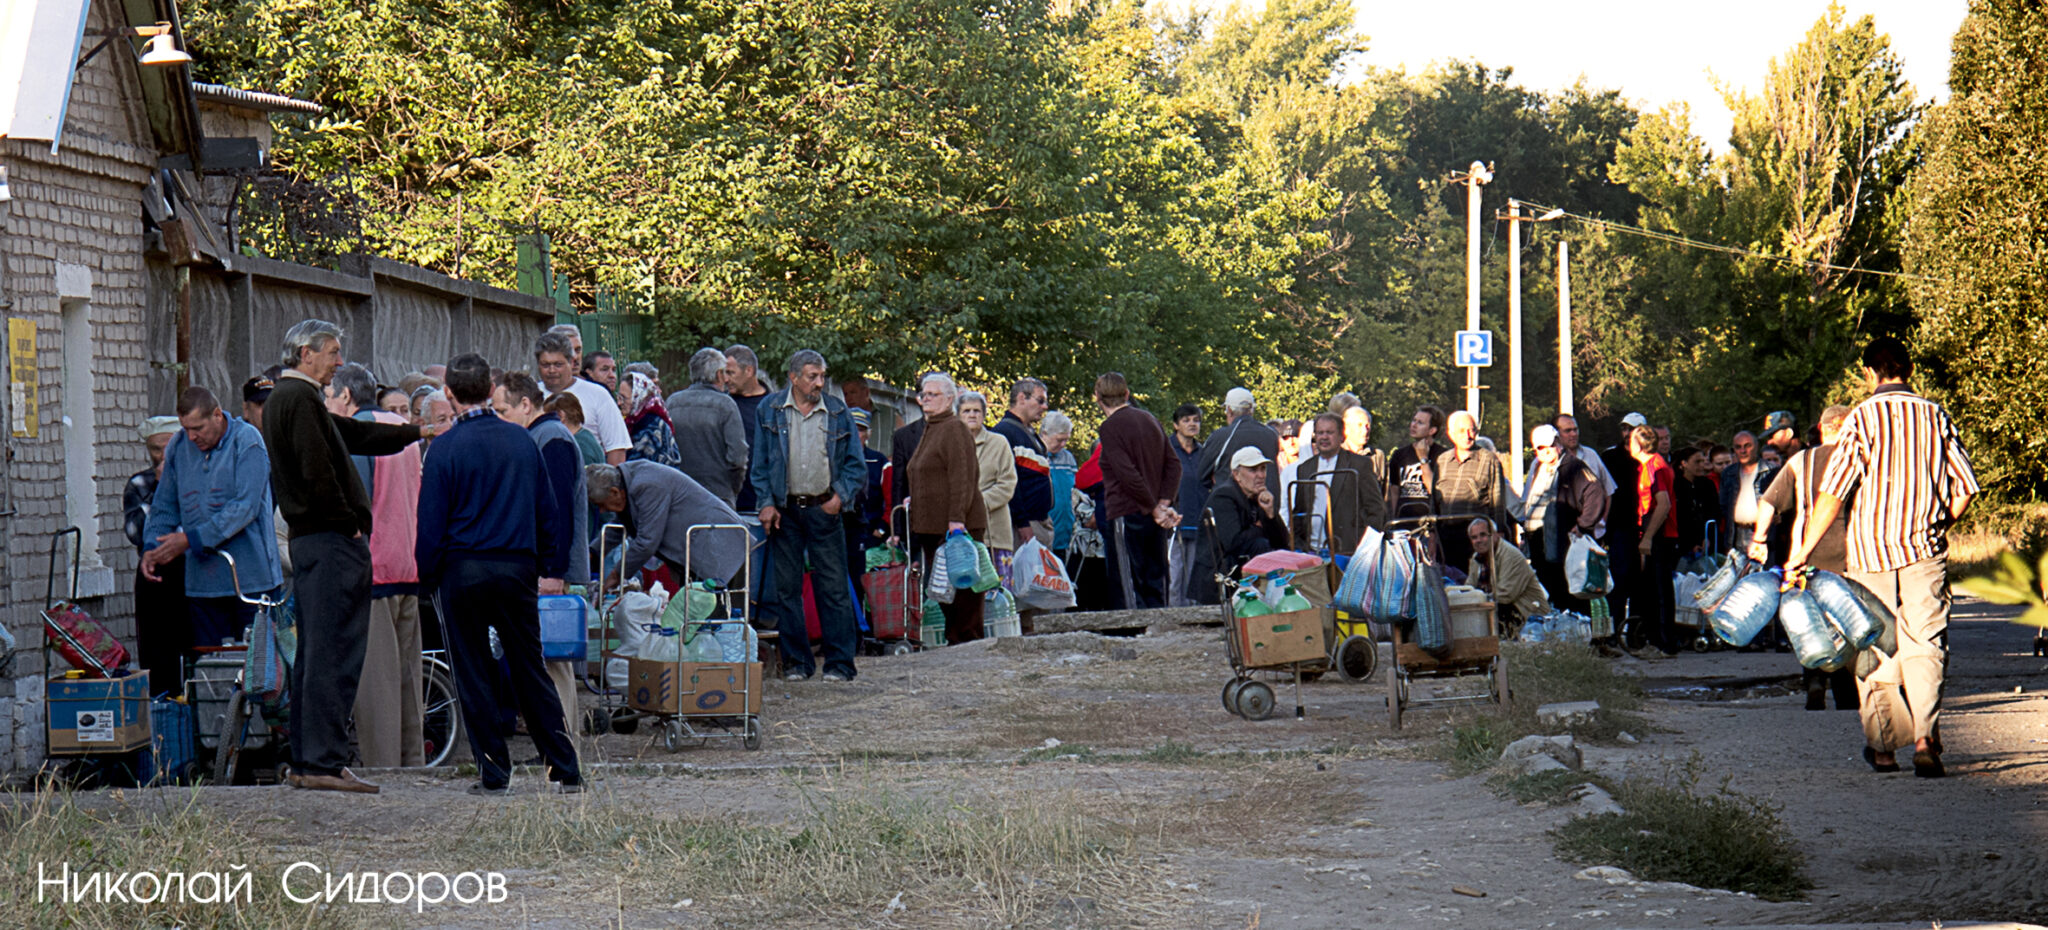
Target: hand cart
{"type": "Point", "coordinates": [1354, 649]}
{"type": "Point", "coordinates": [217, 681]}
{"type": "Point", "coordinates": [1244, 695]}
{"type": "Point", "coordinates": [1474, 656]}
{"type": "Point", "coordinates": [96, 716]}
{"type": "Point", "coordinates": [897, 629]}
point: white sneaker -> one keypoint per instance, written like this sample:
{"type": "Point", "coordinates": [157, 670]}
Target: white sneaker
{"type": "Point", "coordinates": [835, 676]}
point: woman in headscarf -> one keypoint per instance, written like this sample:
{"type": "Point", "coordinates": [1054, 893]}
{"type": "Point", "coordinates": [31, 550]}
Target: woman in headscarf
{"type": "Point", "coordinates": [998, 478]}
{"type": "Point", "coordinates": [654, 436]}
{"type": "Point", "coordinates": [945, 481]}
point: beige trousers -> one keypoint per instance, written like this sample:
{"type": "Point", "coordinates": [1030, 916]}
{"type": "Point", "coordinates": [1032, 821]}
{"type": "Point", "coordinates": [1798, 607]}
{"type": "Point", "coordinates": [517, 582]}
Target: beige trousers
{"type": "Point", "coordinates": [388, 713]}
{"type": "Point", "coordinates": [1919, 597]}
{"type": "Point", "coordinates": [563, 673]}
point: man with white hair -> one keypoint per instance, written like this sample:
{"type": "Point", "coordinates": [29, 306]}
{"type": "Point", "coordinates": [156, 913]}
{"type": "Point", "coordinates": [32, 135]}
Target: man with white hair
{"type": "Point", "coordinates": [1240, 430]}
{"type": "Point", "coordinates": [1564, 500]}
{"type": "Point", "coordinates": [328, 513]}
{"type": "Point", "coordinates": [709, 429]}
{"type": "Point", "coordinates": [1469, 482]}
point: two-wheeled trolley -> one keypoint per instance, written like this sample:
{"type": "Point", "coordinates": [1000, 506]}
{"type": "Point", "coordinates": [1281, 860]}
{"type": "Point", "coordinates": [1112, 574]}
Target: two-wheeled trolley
{"type": "Point", "coordinates": [1476, 653]}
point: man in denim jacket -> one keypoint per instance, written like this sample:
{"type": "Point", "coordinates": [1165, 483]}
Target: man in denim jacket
{"type": "Point", "coordinates": [214, 498]}
{"type": "Point", "coordinates": [807, 468]}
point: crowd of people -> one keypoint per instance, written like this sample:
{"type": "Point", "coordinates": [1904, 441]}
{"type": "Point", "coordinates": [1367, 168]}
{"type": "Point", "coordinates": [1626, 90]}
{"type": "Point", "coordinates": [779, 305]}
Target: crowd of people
{"type": "Point", "coordinates": [456, 497]}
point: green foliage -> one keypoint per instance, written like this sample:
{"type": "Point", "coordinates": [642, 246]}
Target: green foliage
{"type": "Point", "coordinates": [1671, 831]}
{"type": "Point", "coordinates": [1551, 788]}
{"type": "Point", "coordinates": [2013, 580]}
{"type": "Point", "coordinates": [1974, 226]}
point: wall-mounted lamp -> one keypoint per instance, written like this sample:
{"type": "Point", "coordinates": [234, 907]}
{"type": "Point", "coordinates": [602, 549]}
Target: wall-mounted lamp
{"type": "Point", "coordinates": [162, 50]}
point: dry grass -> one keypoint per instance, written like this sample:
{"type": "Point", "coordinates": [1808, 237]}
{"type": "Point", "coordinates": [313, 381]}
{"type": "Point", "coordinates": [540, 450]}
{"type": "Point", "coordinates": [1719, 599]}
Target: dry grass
{"type": "Point", "coordinates": [1969, 553]}
{"type": "Point", "coordinates": [162, 832]}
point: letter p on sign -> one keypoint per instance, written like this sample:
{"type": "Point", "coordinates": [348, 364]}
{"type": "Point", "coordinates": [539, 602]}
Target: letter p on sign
{"type": "Point", "coordinates": [1474, 348]}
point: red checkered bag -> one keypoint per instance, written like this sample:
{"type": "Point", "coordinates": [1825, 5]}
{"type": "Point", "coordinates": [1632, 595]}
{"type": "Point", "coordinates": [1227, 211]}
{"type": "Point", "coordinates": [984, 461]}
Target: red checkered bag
{"type": "Point", "coordinates": [893, 597]}
{"type": "Point", "coordinates": [83, 641]}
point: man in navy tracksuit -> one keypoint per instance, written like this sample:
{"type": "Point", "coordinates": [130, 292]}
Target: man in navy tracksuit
{"type": "Point", "coordinates": [487, 536]}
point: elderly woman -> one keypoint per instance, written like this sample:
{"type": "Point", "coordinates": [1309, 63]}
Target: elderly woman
{"type": "Point", "coordinates": [1056, 431]}
{"type": "Point", "coordinates": [998, 480]}
{"type": "Point", "coordinates": [945, 481]}
{"type": "Point", "coordinates": [1246, 521]}
{"type": "Point", "coordinates": [654, 436]}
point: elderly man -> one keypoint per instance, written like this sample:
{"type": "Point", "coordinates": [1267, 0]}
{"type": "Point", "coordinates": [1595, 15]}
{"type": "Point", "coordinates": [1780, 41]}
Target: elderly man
{"type": "Point", "coordinates": [388, 713]}
{"type": "Point", "coordinates": [1033, 499]}
{"type": "Point", "coordinates": [1334, 493]}
{"type": "Point", "coordinates": [807, 469]}
{"type": "Point", "coordinates": [1564, 500]}
{"type": "Point", "coordinates": [659, 505]}
{"type": "Point", "coordinates": [1469, 482]}
{"type": "Point", "coordinates": [1793, 492]}
{"type": "Point", "coordinates": [1504, 574]}
{"type": "Point", "coordinates": [709, 428]}
{"type": "Point", "coordinates": [1901, 471]}
{"type": "Point", "coordinates": [516, 398]}
{"type": "Point", "coordinates": [1139, 478]}
{"type": "Point", "coordinates": [1246, 517]}
{"type": "Point", "coordinates": [489, 527]}
{"type": "Point", "coordinates": [1241, 429]}
{"type": "Point", "coordinates": [554, 360]}
{"type": "Point", "coordinates": [213, 498]}
{"type": "Point", "coordinates": [328, 513]}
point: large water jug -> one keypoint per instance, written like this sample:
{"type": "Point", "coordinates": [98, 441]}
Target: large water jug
{"type": "Point", "coordinates": [1734, 569]}
{"type": "Point", "coordinates": [561, 627]}
{"type": "Point", "coordinates": [963, 566]}
{"type": "Point", "coordinates": [1813, 638]}
{"type": "Point", "coordinates": [1248, 603]}
{"type": "Point", "coordinates": [1837, 598]}
{"type": "Point", "coordinates": [1748, 608]}
{"type": "Point", "coordinates": [1291, 601]}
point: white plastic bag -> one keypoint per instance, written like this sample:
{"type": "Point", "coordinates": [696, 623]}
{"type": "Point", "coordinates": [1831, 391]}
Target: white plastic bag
{"type": "Point", "coordinates": [632, 617]}
{"type": "Point", "coordinates": [1585, 568]}
{"type": "Point", "coordinates": [1040, 578]}
{"type": "Point", "coordinates": [938, 585]}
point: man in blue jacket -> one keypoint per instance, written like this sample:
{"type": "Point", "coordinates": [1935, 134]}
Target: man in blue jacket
{"type": "Point", "coordinates": [807, 469]}
{"type": "Point", "coordinates": [489, 532]}
{"type": "Point", "coordinates": [214, 498]}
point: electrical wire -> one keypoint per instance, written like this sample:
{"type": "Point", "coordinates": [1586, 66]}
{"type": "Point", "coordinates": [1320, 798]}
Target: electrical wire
{"type": "Point", "coordinates": [1678, 240]}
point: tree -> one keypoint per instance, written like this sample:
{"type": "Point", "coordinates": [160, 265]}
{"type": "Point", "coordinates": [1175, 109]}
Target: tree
{"type": "Point", "coordinates": [1976, 229]}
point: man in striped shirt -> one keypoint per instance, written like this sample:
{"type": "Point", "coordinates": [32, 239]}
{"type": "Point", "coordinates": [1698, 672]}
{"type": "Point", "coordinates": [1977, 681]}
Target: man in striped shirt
{"type": "Point", "coordinates": [1901, 459]}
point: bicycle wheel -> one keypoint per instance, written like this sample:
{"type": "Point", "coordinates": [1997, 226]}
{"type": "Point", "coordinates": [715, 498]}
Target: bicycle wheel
{"type": "Point", "coordinates": [234, 727]}
{"type": "Point", "coordinates": [442, 726]}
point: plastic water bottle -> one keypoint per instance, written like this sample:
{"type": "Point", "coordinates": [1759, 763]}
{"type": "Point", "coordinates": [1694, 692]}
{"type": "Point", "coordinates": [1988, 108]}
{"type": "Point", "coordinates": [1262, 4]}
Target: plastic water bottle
{"type": "Point", "coordinates": [1849, 613]}
{"type": "Point", "coordinates": [1291, 600]}
{"type": "Point", "coordinates": [1814, 640]}
{"type": "Point", "coordinates": [1249, 603]}
{"type": "Point", "coordinates": [1748, 608]}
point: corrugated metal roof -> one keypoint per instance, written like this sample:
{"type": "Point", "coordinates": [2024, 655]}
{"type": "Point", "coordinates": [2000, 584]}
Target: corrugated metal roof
{"type": "Point", "coordinates": [254, 99]}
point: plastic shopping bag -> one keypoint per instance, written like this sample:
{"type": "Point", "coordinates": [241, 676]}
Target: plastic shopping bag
{"type": "Point", "coordinates": [938, 587]}
{"type": "Point", "coordinates": [263, 667]}
{"type": "Point", "coordinates": [1041, 578]}
{"type": "Point", "coordinates": [1394, 580]}
{"type": "Point", "coordinates": [1354, 592]}
{"type": "Point", "coordinates": [1585, 568]}
{"type": "Point", "coordinates": [986, 578]}
{"type": "Point", "coordinates": [1432, 607]}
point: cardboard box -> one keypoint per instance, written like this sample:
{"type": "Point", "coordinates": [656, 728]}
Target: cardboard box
{"type": "Point", "coordinates": [94, 716]}
{"type": "Point", "coordinates": [694, 689]}
{"type": "Point", "coordinates": [1270, 640]}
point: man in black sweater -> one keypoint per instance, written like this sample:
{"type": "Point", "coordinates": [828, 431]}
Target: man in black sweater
{"type": "Point", "coordinates": [327, 513]}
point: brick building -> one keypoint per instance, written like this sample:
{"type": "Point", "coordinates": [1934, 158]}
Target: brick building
{"type": "Point", "coordinates": [97, 152]}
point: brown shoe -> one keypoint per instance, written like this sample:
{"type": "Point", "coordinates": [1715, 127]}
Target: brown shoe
{"type": "Point", "coordinates": [346, 781]}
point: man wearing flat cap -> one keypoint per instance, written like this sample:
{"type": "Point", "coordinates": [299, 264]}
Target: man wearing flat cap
{"type": "Point", "coordinates": [1246, 522]}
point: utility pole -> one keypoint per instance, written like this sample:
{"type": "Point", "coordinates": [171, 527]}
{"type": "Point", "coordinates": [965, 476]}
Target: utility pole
{"type": "Point", "coordinates": [1564, 326]}
{"type": "Point", "coordinates": [1515, 334]}
{"type": "Point", "coordinates": [1476, 175]}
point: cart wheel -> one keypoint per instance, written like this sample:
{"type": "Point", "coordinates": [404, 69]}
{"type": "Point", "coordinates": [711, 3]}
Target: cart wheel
{"type": "Point", "coordinates": [672, 736]}
{"type": "Point", "coordinates": [1700, 644]}
{"type": "Point", "coordinates": [900, 649]}
{"type": "Point", "coordinates": [1255, 700]}
{"type": "Point", "coordinates": [233, 727]}
{"type": "Point", "coordinates": [1357, 657]}
{"type": "Point", "coordinates": [1230, 689]}
{"type": "Point", "coordinates": [441, 725]}
{"type": "Point", "coordinates": [596, 721]}
{"type": "Point", "coordinates": [751, 735]}
{"type": "Point", "coordinates": [625, 724]}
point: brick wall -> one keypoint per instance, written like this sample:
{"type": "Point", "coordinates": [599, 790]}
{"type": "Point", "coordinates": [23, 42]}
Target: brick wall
{"type": "Point", "coordinates": [78, 209]}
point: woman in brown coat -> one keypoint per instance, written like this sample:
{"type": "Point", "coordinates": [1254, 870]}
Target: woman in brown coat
{"type": "Point", "coordinates": [945, 477]}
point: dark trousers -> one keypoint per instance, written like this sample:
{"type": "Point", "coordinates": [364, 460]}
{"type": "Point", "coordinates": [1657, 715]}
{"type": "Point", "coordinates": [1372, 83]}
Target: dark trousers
{"type": "Point", "coordinates": [1137, 562]}
{"type": "Point", "coordinates": [478, 593]}
{"type": "Point", "coordinates": [1654, 619]}
{"type": "Point", "coordinates": [163, 627]}
{"type": "Point", "coordinates": [220, 618]}
{"type": "Point", "coordinates": [963, 616]}
{"type": "Point", "coordinates": [332, 575]}
{"type": "Point", "coordinates": [822, 536]}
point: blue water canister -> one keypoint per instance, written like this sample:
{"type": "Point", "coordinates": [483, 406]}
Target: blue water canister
{"type": "Point", "coordinates": [1813, 638]}
{"type": "Point", "coordinates": [963, 563]}
{"type": "Point", "coordinates": [1734, 569]}
{"type": "Point", "coordinates": [561, 627]}
{"type": "Point", "coordinates": [1748, 608]}
{"type": "Point", "coordinates": [1849, 613]}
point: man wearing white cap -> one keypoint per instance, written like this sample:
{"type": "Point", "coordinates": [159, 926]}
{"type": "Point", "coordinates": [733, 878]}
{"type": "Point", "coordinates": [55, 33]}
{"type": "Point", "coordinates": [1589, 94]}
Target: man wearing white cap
{"type": "Point", "coordinates": [1247, 520]}
{"type": "Point", "coordinates": [1564, 499]}
{"type": "Point", "coordinates": [1242, 430]}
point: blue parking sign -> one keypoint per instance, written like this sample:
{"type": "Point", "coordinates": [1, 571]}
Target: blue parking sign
{"type": "Point", "coordinates": [1474, 348]}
